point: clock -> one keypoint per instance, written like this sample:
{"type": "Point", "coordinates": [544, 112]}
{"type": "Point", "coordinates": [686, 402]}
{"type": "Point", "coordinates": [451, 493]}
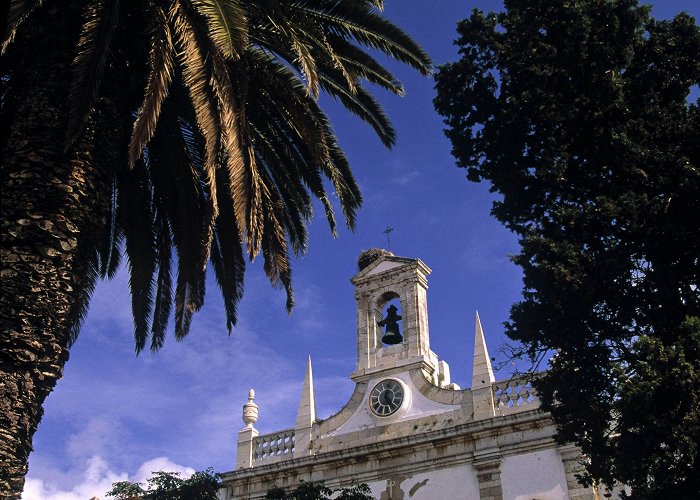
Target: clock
{"type": "Point", "coordinates": [386, 398]}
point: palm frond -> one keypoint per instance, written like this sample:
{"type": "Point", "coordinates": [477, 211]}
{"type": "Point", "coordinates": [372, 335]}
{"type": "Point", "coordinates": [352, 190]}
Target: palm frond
{"type": "Point", "coordinates": [258, 197]}
{"type": "Point", "coordinates": [17, 12]}
{"type": "Point", "coordinates": [340, 65]}
{"type": "Point", "coordinates": [360, 64]}
{"type": "Point", "coordinates": [227, 254]}
{"type": "Point", "coordinates": [195, 78]}
{"type": "Point", "coordinates": [247, 190]}
{"type": "Point", "coordinates": [137, 221]}
{"type": "Point", "coordinates": [301, 126]}
{"type": "Point", "coordinates": [345, 185]}
{"type": "Point", "coordinates": [164, 293]}
{"type": "Point", "coordinates": [368, 28]}
{"type": "Point", "coordinates": [314, 46]}
{"type": "Point", "coordinates": [159, 77]}
{"type": "Point", "coordinates": [109, 252]}
{"type": "Point", "coordinates": [81, 299]}
{"type": "Point", "coordinates": [88, 65]}
{"type": "Point", "coordinates": [179, 196]}
{"type": "Point", "coordinates": [280, 85]}
{"type": "Point", "coordinates": [228, 25]}
{"type": "Point", "coordinates": [301, 163]}
{"type": "Point", "coordinates": [274, 248]}
{"type": "Point", "coordinates": [301, 142]}
{"type": "Point", "coordinates": [229, 109]}
{"type": "Point", "coordinates": [297, 203]}
{"type": "Point", "coordinates": [306, 62]}
{"type": "Point", "coordinates": [362, 104]}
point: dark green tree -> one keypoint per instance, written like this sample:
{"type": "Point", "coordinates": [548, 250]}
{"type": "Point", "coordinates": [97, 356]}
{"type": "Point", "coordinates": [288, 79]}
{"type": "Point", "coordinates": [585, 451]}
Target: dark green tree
{"type": "Point", "coordinates": [185, 133]}
{"type": "Point", "coordinates": [170, 486]}
{"type": "Point", "coordinates": [317, 490]}
{"type": "Point", "coordinates": [578, 114]}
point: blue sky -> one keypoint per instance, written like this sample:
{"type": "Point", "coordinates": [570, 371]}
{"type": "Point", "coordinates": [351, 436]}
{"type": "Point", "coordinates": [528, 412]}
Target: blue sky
{"type": "Point", "coordinates": [115, 416]}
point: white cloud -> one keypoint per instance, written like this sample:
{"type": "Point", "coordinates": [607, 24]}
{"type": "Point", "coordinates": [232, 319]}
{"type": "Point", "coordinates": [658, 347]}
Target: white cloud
{"type": "Point", "coordinates": [96, 480]}
{"type": "Point", "coordinates": [98, 438]}
{"type": "Point", "coordinates": [161, 464]}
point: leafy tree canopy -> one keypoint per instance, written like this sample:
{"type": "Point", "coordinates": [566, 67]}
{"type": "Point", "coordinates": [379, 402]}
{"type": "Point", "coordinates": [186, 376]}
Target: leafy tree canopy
{"type": "Point", "coordinates": [578, 114]}
{"type": "Point", "coordinates": [169, 486]}
{"type": "Point", "coordinates": [317, 490]}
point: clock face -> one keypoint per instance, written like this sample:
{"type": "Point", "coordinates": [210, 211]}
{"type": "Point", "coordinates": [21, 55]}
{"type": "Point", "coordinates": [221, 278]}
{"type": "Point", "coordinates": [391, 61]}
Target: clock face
{"type": "Point", "coordinates": [386, 398]}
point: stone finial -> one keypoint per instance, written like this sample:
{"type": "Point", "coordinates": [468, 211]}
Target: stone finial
{"type": "Point", "coordinates": [482, 373]}
{"type": "Point", "coordinates": [250, 410]}
{"type": "Point", "coordinates": [244, 450]}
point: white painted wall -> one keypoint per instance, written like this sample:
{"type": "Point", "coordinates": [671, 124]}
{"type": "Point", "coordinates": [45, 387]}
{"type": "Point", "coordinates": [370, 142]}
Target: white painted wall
{"type": "Point", "coordinates": [534, 476]}
{"type": "Point", "coordinates": [450, 483]}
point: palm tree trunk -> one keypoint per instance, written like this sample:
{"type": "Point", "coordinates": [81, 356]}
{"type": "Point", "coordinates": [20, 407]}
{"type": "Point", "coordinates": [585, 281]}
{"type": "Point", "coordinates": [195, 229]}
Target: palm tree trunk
{"type": "Point", "coordinates": [53, 208]}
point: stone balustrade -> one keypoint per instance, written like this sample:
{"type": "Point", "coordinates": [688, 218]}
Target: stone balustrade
{"type": "Point", "coordinates": [514, 395]}
{"type": "Point", "coordinates": [274, 446]}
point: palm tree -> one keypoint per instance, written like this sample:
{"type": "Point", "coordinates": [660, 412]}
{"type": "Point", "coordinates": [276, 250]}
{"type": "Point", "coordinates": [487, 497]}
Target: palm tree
{"type": "Point", "coordinates": [182, 131]}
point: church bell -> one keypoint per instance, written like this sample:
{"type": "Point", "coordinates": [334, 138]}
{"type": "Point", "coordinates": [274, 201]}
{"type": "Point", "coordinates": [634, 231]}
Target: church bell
{"type": "Point", "coordinates": [392, 334]}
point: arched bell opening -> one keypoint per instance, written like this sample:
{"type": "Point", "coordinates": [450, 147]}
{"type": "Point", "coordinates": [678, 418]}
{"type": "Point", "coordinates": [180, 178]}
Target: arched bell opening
{"type": "Point", "coordinates": [388, 315]}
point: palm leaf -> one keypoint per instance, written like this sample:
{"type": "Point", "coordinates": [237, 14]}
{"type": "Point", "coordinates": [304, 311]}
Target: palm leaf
{"type": "Point", "coordinates": [163, 298]}
{"type": "Point", "coordinates": [227, 254]}
{"type": "Point", "coordinates": [17, 12]}
{"type": "Point", "coordinates": [159, 77]}
{"type": "Point", "coordinates": [306, 63]}
{"type": "Point", "coordinates": [300, 124]}
{"type": "Point", "coordinates": [195, 78]}
{"type": "Point", "coordinates": [280, 85]}
{"type": "Point", "coordinates": [228, 101]}
{"type": "Point", "coordinates": [109, 252]}
{"type": "Point", "coordinates": [297, 204]}
{"type": "Point", "coordinates": [258, 197]}
{"type": "Point", "coordinates": [178, 195]}
{"type": "Point", "coordinates": [228, 25]}
{"type": "Point", "coordinates": [88, 65]}
{"type": "Point", "coordinates": [362, 104]}
{"type": "Point", "coordinates": [368, 29]}
{"type": "Point", "coordinates": [137, 222]}
{"type": "Point", "coordinates": [274, 248]}
{"type": "Point", "coordinates": [360, 64]}
{"type": "Point", "coordinates": [247, 190]}
{"type": "Point", "coordinates": [345, 185]}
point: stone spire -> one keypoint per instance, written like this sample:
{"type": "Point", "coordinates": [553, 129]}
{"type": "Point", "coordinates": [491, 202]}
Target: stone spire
{"type": "Point", "coordinates": [306, 415]}
{"type": "Point", "coordinates": [482, 377]}
{"type": "Point", "coordinates": [482, 373]}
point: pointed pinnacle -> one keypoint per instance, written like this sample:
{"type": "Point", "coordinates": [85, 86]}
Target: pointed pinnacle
{"type": "Point", "coordinates": [306, 415]}
{"type": "Point", "coordinates": [482, 373]}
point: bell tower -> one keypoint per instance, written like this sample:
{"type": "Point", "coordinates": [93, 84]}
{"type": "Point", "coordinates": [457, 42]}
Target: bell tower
{"type": "Point", "coordinates": [406, 337]}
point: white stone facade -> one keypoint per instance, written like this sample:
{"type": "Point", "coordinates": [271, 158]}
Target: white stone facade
{"type": "Point", "coordinates": [489, 442]}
